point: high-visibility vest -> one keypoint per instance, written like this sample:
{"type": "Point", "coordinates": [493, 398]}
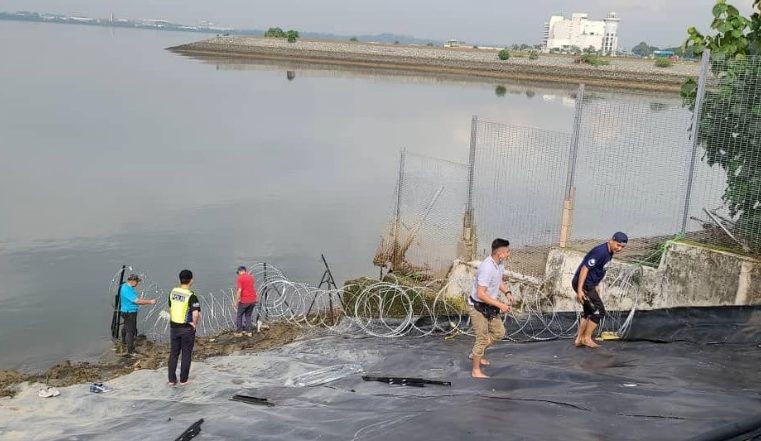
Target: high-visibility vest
{"type": "Point", "coordinates": [180, 305]}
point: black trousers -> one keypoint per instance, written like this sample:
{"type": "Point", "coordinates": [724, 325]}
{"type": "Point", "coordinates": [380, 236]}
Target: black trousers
{"type": "Point", "coordinates": [129, 330]}
{"type": "Point", "coordinates": [593, 308]}
{"type": "Point", "coordinates": [182, 341]}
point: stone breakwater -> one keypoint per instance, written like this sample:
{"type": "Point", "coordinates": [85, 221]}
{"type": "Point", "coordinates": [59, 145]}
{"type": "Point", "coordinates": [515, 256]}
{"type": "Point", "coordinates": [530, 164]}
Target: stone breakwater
{"type": "Point", "coordinates": [476, 63]}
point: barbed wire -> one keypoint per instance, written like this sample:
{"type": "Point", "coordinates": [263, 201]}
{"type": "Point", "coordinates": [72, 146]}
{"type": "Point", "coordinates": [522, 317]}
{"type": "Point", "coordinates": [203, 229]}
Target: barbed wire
{"type": "Point", "coordinates": [390, 308]}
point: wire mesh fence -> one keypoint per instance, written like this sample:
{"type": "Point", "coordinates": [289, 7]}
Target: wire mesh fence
{"type": "Point", "coordinates": [425, 229]}
{"type": "Point", "coordinates": [631, 171]}
{"type": "Point", "coordinates": [518, 190]}
{"type": "Point", "coordinates": [654, 166]}
{"type": "Point", "coordinates": [725, 199]}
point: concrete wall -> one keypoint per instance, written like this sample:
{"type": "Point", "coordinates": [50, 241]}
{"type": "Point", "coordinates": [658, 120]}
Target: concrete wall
{"type": "Point", "coordinates": [688, 275]}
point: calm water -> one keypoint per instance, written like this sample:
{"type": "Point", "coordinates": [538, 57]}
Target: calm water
{"type": "Point", "coordinates": [115, 151]}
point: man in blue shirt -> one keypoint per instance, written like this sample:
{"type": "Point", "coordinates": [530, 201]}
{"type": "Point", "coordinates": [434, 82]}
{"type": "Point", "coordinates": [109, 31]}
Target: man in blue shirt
{"type": "Point", "coordinates": [588, 275]}
{"type": "Point", "coordinates": [129, 303]}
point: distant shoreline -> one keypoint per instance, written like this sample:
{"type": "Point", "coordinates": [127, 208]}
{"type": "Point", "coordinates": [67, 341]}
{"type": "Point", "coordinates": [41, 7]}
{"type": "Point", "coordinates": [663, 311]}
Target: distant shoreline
{"type": "Point", "coordinates": [624, 73]}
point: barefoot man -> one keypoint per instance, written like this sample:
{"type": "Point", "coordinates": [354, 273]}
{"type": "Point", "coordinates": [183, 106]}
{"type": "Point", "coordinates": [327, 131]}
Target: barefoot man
{"type": "Point", "coordinates": [589, 274]}
{"type": "Point", "coordinates": [484, 308]}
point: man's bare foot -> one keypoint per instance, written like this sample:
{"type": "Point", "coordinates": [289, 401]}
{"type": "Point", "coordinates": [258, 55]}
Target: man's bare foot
{"type": "Point", "coordinates": [478, 374]}
{"type": "Point", "coordinates": [590, 344]}
{"type": "Point", "coordinates": [578, 343]}
{"type": "Point", "coordinates": [484, 362]}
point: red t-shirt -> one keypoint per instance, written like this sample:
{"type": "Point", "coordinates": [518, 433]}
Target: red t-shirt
{"type": "Point", "coordinates": [247, 289]}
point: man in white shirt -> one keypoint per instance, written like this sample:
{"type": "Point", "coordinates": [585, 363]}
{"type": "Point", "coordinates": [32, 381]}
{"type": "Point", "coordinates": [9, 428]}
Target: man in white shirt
{"type": "Point", "coordinates": [484, 307]}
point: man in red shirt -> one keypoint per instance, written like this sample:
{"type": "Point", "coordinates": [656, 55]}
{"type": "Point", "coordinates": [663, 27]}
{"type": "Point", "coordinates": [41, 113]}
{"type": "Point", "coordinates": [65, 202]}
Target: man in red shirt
{"type": "Point", "coordinates": [245, 298]}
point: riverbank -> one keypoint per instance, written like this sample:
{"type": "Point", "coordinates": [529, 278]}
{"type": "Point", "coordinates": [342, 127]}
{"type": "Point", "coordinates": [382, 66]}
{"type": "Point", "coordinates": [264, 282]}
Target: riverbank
{"type": "Point", "coordinates": [150, 356]}
{"type": "Point", "coordinates": [625, 73]}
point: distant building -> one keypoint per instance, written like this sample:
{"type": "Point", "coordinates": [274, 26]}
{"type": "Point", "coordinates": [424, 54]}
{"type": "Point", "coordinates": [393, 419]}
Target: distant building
{"type": "Point", "coordinates": [579, 31]}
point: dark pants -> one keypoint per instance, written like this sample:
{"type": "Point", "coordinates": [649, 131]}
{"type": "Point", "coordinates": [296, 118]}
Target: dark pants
{"type": "Point", "coordinates": [593, 308]}
{"type": "Point", "coordinates": [129, 330]}
{"type": "Point", "coordinates": [181, 340]}
{"type": "Point", "coordinates": [243, 320]}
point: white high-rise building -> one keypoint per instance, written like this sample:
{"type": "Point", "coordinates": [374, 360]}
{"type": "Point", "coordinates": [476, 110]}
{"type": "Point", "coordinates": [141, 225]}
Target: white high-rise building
{"type": "Point", "coordinates": [580, 31]}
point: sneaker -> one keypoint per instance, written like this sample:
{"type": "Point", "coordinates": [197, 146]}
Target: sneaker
{"type": "Point", "coordinates": [171, 383]}
{"type": "Point", "coordinates": [48, 392]}
{"type": "Point", "coordinates": [185, 383]}
{"type": "Point", "coordinates": [258, 326]}
{"type": "Point", "coordinates": [98, 388]}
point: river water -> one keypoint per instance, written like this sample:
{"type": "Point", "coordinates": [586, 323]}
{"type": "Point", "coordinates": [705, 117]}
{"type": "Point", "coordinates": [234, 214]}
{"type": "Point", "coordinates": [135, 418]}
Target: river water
{"type": "Point", "coordinates": [116, 151]}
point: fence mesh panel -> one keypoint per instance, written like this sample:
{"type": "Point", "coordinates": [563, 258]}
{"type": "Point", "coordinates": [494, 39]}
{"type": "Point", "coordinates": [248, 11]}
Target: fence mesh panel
{"type": "Point", "coordinates": [427, 225]}
{"type": "Point", "coordinates": [518, 191]}
{"type": "Point", "coordinates": [648, 165]}
{"type": "Point", "coordinates": [726, 195]}
{"type": "Point", "coordinates": [631, 171]}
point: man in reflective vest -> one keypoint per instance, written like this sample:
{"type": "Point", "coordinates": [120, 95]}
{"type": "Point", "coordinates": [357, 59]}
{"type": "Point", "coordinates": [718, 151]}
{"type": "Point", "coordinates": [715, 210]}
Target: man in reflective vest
{"type": "Point", "coordinates": [184, 315]}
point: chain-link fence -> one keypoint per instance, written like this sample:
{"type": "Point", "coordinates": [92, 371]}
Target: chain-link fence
{"type": "Point", "coordinates": [725, 195]}
{"type": "Point", "coordinates": [426, 225]}
{"type": "Point", "coordinates": [654, 166]}
{"type": "Point", "coordinates": [518, 190]}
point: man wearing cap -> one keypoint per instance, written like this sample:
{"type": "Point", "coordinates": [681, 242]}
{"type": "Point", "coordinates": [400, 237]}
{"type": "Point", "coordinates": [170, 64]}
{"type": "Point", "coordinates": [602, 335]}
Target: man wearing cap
{"type": "Point", "coordinates": [129, 304]}
{"type": "Point", "coordinates": [184, 315]}
{"type": "Point", "coordinates": [245, 299]}
{"type": "Point", "coordinates": [588, 276]}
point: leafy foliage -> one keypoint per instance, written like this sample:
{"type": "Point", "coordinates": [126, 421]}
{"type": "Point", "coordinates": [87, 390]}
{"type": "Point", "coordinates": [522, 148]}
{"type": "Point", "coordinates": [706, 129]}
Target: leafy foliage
{"type": "Point", "coordinates": [663, 62]}
{"type": "Point", "coordinates": [730, 122]}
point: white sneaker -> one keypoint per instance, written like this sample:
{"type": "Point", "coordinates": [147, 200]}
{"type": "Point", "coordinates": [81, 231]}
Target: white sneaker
{"type": "Point", "coordinates": [258, 326]}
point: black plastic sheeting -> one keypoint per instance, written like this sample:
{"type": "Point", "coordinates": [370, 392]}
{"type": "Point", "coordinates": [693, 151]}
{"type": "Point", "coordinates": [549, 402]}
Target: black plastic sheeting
{"type": "Point", "coordinates": [705, 381]}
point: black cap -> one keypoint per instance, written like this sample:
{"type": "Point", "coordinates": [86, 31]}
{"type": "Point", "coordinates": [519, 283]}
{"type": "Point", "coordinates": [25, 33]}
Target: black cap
{"type": "Point", "coordinates": [621, 238]}
{"type": "Point", "coordinates": [241, 268]}
{"type": "Point", "coordinates": [134, 277]}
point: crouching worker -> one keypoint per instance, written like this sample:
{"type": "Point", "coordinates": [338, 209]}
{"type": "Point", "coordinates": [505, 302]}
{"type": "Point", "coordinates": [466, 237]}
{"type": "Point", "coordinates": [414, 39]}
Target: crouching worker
{"type": "Point", "coordinates": [588, 276]}
{"type": "Point", "coordinates": [184, 313]}
{"type": "Point", "coordinates": [484, 308]}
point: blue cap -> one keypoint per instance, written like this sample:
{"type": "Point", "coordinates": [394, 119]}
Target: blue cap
{"type": "Point", "coordinates": [621, 237]}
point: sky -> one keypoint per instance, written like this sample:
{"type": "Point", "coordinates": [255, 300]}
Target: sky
{"type": "Point", "coordinates": [658, 22]}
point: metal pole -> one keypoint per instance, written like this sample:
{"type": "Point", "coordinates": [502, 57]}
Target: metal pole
{"type": "Point", "coordinates": [574, 150]}
{"type": "Point", "coordinates": [472, 160]}
{"type": "Point", "coordinates": [397, 220]}
{"type": "Point", "coordinates": [116, 319]}
{"type": "Point", "coordinates": [704, 62]}
{"type": "Point", "coordinates": [467, 246]}
{"type": "Point", "coordinates": [570, 189]}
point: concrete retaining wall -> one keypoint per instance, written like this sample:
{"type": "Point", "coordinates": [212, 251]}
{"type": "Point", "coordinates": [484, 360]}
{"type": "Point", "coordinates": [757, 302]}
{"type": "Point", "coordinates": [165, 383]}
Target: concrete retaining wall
{"type": "Point", "coordinates": [688, 275]}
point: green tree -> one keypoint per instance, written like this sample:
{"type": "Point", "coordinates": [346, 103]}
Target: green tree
{"type": "Point", "coordinates": [275, 33]}
{"type": "Point", "coordinates": [643, 49]}
{"type": "Point", "coordinates": [292, 36]}
{"type": "Point", "coordinates": [730, 124]}
{"type": "Point", "coordinates": [504, 54]}
{"type": "Point", "coordinates": [353, 39]}
{"type": "Point", "coordinates": [533, 55]}
{"type": "Point", "coordinates": [500, 90]}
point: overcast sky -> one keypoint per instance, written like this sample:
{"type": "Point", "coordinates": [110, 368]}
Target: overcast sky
{"type": "Point", "coordinates": [659, 22]}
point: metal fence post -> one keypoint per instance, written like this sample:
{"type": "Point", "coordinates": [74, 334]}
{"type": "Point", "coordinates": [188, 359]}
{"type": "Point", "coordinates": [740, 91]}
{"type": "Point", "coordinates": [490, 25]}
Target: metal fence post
{"type": "Point", "coordinates": [397, 219]}
{"type": "Point", "coordinates": [570, 189]}
{"type": "Point", "coordinates": [467, 246]}
{"type": "Point", "coordinates": [704, 63]}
